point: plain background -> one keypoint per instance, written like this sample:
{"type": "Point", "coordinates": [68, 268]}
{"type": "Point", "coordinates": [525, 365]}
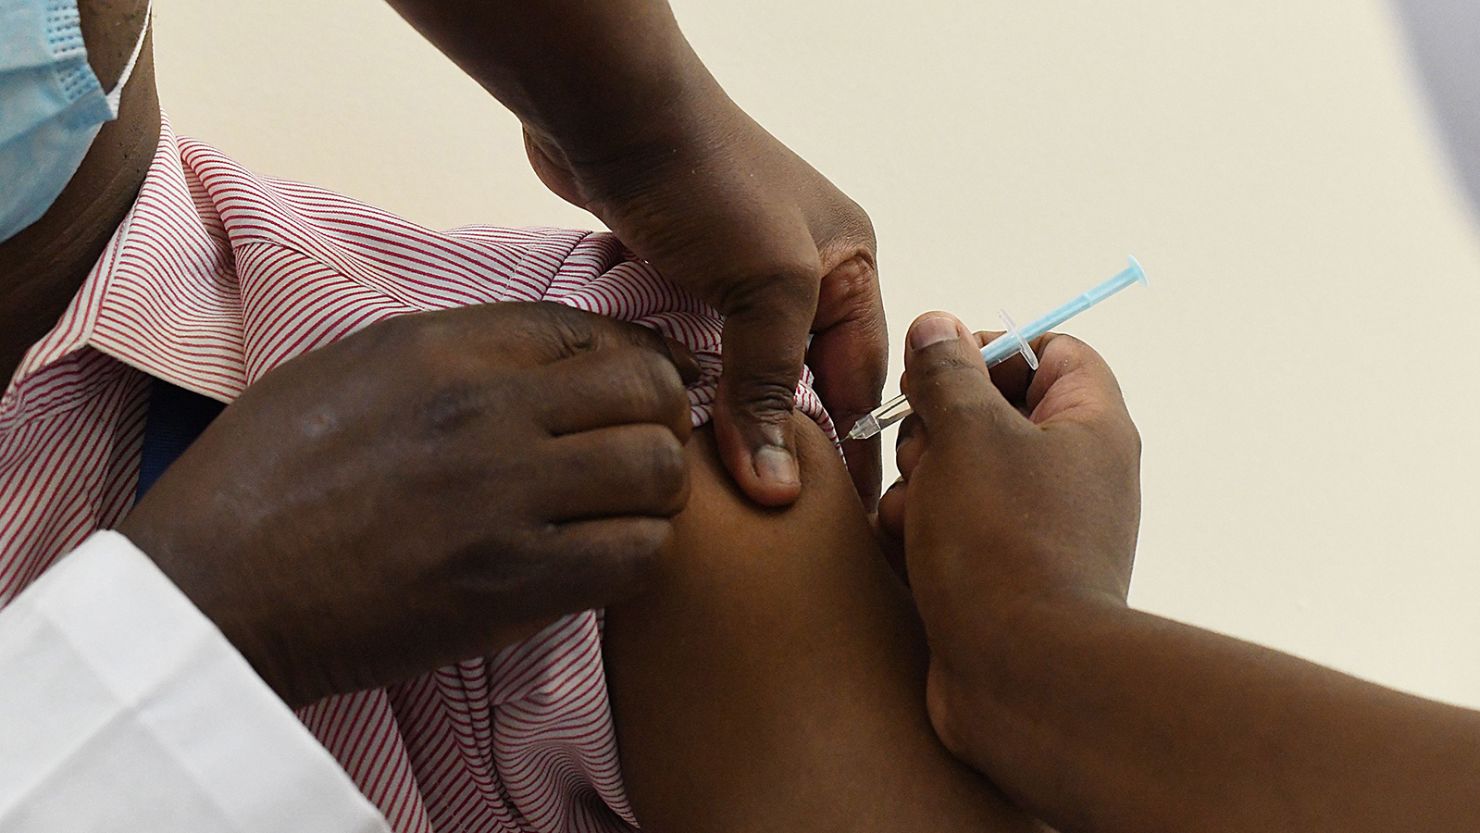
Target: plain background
{"type": "Point", "coordinates": [1302, 369]}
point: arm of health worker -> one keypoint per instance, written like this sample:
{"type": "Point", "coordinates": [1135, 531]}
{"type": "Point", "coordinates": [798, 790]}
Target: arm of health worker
{"type": "Point", "coordinates": [622, 119]}
{"type": "Point", "coordinates": [1019, 533]}
{"type": "Point", "coordinates": [123, 708]}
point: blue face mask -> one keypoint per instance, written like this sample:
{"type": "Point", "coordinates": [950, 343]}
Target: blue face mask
{"type": "Point", "coordinates": [51, 105]}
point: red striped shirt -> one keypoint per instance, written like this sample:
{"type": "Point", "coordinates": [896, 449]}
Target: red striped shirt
{"type": "Point", "coordinates": [216, 277]}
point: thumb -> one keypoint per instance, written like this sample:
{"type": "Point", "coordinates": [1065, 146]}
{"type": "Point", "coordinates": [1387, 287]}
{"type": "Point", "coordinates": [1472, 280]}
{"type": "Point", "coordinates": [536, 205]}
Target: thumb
{"type": "Point", "coordinates": [945, 377]}
{"type": "Point", "coordinates": [763, 347]}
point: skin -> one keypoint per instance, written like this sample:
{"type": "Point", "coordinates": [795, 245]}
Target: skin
{"type": "Point", "coordinates": [632, 128]}
{"type": "Point", "coordinates": [795, 254]}
{"type": "Point", "coordinates": [347, 530]}
{"type": "Point", "coordinates": [769, 677]}
{"type": "Point", "coordinates": [1018, 513]}
{"type": "Point", "coordinates": [44, 265]}
{"type": "Point", "coordinates": [621, 118]}
{"type": "Point", "coordinates": [260, 521]}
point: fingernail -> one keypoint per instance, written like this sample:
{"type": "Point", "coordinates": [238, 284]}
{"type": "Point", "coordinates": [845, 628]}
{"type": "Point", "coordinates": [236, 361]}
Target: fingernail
{"type": "Point", "coordinates": [776, 465]}
{"type": "Point", "coordinates": [933, 328]}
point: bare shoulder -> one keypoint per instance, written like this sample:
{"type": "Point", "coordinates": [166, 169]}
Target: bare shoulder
{"type": "Point", "coordinates": [772, 677]}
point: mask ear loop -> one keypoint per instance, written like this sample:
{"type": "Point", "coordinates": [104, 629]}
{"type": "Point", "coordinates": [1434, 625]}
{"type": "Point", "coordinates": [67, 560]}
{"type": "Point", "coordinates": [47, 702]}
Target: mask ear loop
{"type": "Point", "coordinates": [128, 68]}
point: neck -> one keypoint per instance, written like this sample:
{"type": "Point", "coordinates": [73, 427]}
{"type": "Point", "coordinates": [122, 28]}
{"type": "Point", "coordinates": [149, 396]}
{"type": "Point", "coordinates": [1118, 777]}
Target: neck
{"type": "Point", "coordinates": [43, 266]}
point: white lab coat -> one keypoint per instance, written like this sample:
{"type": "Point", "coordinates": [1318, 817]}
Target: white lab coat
{"type": "Point", "coordinates": [122, 708]}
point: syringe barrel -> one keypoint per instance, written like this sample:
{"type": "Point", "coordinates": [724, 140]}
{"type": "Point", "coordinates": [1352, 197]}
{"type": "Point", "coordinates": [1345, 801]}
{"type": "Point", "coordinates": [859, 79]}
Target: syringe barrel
{"type": "Point", "coordinates": [1095, 294]}
{"type": "Point", "coordinates": [1011, 343]}
{"type": "Point", "coordinates": [1000, 349]}
{"type": "Point", "coordinates": [1063, 313]}
{"type": "Point", "coordinates": [893, 411]}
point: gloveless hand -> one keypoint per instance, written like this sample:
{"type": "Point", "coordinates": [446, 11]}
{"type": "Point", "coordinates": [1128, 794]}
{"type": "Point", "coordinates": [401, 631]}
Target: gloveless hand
{"type": "Point", "coordinates": [725, 210]}
{"type": "Point", "coordinates": [426, 490]}
{"type": "Point", "coordinates": [1018, 489]}
{"type": "Point", "coordinates": [622, 119]}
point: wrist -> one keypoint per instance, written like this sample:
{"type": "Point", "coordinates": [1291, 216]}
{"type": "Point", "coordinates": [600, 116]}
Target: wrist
{"type": "Point", "coordinates": [198, 582]}
{"type": "Point", "coordinates": [996, 698]}
{"type": "Point", "coordinates": [988, 612]}
{"type": "Point", "coordinates": [1016, 627]}
{"type": "Point", "coordinates": [641, 125]}
{"type": "Point", "coordinates": [985, 664]}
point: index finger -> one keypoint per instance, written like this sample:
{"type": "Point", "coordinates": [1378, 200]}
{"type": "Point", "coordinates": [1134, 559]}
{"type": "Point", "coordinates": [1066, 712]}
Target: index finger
{"type": "Point", "coordinates": [850, 356]}
{"type": "Point", "coordinates": [545, 332]}
{"type": "Point", "coordinates": [1013, 376]}
{"type": "Point", "coordinates": [613, 387]}
{"type": "Point", "coordinates": [1073, 382]}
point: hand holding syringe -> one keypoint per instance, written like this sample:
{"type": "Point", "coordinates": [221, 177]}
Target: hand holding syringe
{"type": "Point", "coordinates": [1011, 343]}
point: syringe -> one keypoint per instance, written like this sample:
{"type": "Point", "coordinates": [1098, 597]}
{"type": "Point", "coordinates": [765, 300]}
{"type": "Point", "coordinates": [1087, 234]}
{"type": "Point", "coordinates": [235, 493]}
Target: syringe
{"type": "Point", "coordinates": [1009, 344]}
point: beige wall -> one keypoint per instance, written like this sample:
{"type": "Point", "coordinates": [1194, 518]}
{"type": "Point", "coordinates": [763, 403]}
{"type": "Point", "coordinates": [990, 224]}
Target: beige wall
{"type": "Point", "coordinates": [1302, 368]}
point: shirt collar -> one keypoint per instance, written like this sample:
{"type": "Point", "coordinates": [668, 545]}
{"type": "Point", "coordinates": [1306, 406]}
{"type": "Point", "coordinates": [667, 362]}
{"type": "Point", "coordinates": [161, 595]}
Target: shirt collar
{"type": "Point", "coordinates": [217, 275]}
{"type": "Point", "coordinates": [125, 310]}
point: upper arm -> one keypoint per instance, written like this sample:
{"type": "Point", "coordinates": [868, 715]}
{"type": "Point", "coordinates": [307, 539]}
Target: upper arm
{"type": "Point", "coordinates": [772, 676]}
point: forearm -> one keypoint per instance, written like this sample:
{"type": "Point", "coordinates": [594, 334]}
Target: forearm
{"type": "Point", "coordinates": [1106, 719]}
{"type": "Point", "coordinates": [585, 75]}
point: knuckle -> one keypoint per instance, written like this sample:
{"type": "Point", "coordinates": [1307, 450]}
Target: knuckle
{"type": "Point", "coordinates": [855, 283]}
{"type": "Point", "coordinates": [796, 286]}
{"type": "Point", "coordinates": [651, 384]}
{"type": "Point", "coordinates": [776, 285]}
{"type": "Point", "coordinates": [1118, 436]}
{"type": "Point", "coordinates": [765, 398]}
{"type": "Point", "coordinates": [659, 375]}
{"type": "Point", "coordinates": [647, 537]}
{"type": "Point", "coordinates": [650, 461]}
{"type": "Point", "coordinates": [1135, 444]}
{"type": "Point", "coordinates": [430, 361]}
{"type": "Point", "coordinates": [413, 336]}
{"type": "Point", "coordinates": [861, 226]}
{"type": "Point", "coordinates": [856, 217]}
{"type": "Point", "coordinates": [674, 410]}
{"type": "Point", "coordinates": [570, 329]}
{"type": "Point", "coordinates": [662, 461]}
{"type": "Point", "coordinates": [849, 223]}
